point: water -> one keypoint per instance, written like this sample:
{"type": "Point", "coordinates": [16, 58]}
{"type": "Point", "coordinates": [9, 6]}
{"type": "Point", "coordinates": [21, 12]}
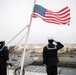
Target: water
{"type": "Point", "coordinates": [41, 69]}
{"type": "Point", "coordinates": [68, 71]}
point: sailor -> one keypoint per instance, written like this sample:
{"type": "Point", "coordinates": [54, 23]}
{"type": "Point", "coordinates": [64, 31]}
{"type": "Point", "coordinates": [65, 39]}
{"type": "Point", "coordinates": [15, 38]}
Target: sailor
{"type": "Point", "coordinates": [50, 58]}
{"type": "Point", "coordinates": [4, 56]}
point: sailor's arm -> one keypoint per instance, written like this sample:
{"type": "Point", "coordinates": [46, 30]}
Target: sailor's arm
{"type": "Point", "coordinates": [59, 44]}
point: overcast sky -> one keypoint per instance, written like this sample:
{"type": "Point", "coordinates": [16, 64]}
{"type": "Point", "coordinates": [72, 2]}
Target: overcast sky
{"type": "Point", "coordinates": [15, 15]}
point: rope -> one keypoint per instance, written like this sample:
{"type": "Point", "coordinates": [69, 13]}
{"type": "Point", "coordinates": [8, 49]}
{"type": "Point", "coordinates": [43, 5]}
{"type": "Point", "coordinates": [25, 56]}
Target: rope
{"type": "Point", "coordinates": [22, 38]}
{"type": "Point", "coordinates": [17, 34]}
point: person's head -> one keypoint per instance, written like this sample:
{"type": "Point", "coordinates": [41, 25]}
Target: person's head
{"type": "Point", "coordinates": [2, 43]}
{"type": "Point", "coordinates": [50, 40]}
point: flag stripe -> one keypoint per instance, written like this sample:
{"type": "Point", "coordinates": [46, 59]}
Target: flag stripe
{"type": "Point", "coordinates": [60, 17]}
{"type": "Point", "coordinates": [53, 18]}
{"type": "Point", "coordinates": [63, 9]}
{"type": "Point", "coordinates": [67, 10]}
{"type": "Point", "coordinates": [57, 14]}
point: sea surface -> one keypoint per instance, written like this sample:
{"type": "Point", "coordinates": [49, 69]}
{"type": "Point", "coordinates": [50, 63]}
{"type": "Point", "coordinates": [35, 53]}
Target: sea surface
{"type": "Point", "coordinates": [68, 71]}
{"type": "Point", "coordinates": [42, 69]}
{"type": "Point", "coordinates": [37, 71]}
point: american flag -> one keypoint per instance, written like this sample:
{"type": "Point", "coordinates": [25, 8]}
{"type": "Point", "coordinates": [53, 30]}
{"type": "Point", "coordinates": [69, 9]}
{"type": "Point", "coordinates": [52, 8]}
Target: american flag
{"type": "Point", "coordinates": [60, 17]}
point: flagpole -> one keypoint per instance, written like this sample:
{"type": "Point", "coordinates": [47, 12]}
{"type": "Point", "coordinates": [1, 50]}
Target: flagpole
{"type": "Point", "coordinates": [24, 51]}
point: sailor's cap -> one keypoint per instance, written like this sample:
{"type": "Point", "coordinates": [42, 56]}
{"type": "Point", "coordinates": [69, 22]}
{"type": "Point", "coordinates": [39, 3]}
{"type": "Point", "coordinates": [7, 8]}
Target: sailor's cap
{"type": "Point", "coordinates": [50, 38]}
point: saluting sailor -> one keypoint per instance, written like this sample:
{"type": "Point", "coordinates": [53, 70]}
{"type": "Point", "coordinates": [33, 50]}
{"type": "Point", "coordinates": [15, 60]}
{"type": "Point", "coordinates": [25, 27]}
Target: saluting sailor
{"type": "Point", "coordinates": [50, 58]}
{"type": "Point", "coordinates": [4, 56]}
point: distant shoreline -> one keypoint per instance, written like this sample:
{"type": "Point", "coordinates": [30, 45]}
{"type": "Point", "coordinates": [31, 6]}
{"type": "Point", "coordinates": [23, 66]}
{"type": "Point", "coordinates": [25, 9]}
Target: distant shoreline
{"type": "Point", "coordinates": [67, 64]}
{"type": "Point", "coordinates": [65, 60]}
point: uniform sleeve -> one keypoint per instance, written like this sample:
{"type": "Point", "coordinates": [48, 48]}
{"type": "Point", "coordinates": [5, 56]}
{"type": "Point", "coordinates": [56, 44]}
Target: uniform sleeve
{"type": "Point", "coordinates": [59, 45]}
{"type": "Point", "coordinates": [44, 56]}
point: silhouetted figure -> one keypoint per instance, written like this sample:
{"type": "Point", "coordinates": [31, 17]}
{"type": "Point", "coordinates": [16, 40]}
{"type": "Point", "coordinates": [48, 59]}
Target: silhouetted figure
{"type": "Point", "coordinates": [50, 58]}
{"type": "Point", "coordinates": [4, 56]}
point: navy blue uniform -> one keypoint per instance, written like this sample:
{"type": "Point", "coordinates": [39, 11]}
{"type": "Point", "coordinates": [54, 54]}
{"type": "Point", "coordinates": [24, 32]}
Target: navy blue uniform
{"type": "Point", "coordinates": [50, 58]}
{"type": "Point", "coordinates": [3, 58]}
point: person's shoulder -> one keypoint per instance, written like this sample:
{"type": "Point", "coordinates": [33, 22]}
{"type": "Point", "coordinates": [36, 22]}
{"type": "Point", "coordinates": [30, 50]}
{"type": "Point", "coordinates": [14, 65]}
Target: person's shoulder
{"type": "Point", "coordinates": [6, 47]}
{"type": "Point", "coordinates": [45, 46]}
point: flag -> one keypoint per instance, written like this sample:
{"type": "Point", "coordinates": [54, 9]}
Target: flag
{"type": "Point", "coordinates": [60, 17]}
